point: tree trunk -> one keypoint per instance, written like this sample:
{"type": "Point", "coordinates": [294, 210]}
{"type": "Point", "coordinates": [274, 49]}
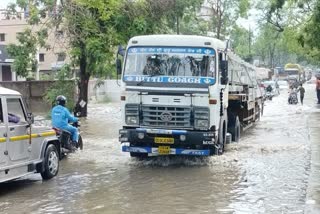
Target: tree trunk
{"type": "Point", "coordinates": [178, 25]}
{"type": "Point", "coordinates": [82, 104]}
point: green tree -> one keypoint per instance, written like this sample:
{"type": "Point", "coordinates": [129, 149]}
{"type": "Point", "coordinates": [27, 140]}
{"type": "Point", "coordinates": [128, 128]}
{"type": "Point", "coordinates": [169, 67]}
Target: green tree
{"type": "Point", "coordinates": [225, 13]}
{"type": "Point", "coordinates": [242, 42]}
{"type": "Point", "coordinates": [24, 52]}
{"type": "Point", "coordinates": [90, 32]}
{"type": "Point", "coordinates": [298, 20]}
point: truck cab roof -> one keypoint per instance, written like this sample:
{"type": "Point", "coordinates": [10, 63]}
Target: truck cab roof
{"type": "Point", "coordinates": [176, 40]}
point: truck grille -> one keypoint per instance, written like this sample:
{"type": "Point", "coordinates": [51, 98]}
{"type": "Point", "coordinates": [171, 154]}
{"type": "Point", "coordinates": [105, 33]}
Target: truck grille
{"type": "Point", "coordinates": [166, 116]}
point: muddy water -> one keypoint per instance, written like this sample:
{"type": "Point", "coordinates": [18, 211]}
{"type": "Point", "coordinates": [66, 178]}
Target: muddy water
{"type": "Point", "coordinates": [267, 172]}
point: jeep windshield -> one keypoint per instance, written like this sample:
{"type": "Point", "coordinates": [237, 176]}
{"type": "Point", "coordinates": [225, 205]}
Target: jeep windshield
{"type": "Point", "coordinates": [190, 65]}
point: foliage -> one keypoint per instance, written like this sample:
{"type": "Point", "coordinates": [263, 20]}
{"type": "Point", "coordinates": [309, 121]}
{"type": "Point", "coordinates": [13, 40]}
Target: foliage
{"type": "Point", "coordinates": [241, 42]}
{"type": "Point", "coordinates": [63, 86]}
{"type": "Point", "coordinates": [177, 9]}
{"type": "Point", "coordinates": [24, 52]}
{"type": "Point", "coordinates": [298, 21]}
{"type": "Point", "coordinates": [225, 13]}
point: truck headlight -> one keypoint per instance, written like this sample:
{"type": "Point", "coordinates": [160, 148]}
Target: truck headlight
{"type": "Point", "coordinates": [132, 114]}
{"type": "Point", "coordinates": [201, 117]}
{"type": "Point", "coordinates": [201, 123]}
{"type": "Point", "coordinates": [132, 120]}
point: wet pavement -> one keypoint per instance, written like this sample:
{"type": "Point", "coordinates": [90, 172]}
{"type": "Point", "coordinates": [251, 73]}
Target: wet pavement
{"type": "Point", "coordinates": [274, 169]}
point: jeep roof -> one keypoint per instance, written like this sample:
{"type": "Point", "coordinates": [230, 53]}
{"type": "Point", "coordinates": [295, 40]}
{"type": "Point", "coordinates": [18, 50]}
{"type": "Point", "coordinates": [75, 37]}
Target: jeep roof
{"type": "Point", "coordinates": [6, 91]}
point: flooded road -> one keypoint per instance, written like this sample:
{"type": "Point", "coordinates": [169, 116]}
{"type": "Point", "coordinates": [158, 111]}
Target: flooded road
{"type": "Point", "coordinates": [267, 172]}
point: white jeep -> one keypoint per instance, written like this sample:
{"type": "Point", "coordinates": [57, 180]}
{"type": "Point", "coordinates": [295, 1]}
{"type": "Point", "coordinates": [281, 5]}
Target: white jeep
{"type": "Point", "coordinates": [24, 148]}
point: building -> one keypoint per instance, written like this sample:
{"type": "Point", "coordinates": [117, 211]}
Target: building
{"type": "Point", "coordinates": [49, 59]}
{"type": "Point", "coordinates": [5, 65]}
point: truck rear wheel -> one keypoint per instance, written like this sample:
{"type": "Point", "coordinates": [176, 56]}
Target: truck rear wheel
{"type": "Point", "coordinates": [235, 129]}
{"type": "Point", "coordinates": [51, 162]}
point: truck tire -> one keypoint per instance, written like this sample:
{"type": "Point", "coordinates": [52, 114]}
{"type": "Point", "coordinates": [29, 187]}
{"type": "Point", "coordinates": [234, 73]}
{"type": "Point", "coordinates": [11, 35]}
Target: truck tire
{"type": "Point", "coordinates": [235, 130]}
{"type": "Point", "coordinates": [51, 162]}
{"type": "Point", "coordinates": [138, 155]}
{"type": "Point", "coordinates": [221, 139]}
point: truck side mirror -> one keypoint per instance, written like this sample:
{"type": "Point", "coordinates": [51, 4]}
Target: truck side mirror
{"type": "Point", "coordinates": [118, 65]}
{"type": "Point", "coordinates": [30, 118]}
{"type": "Point", "coordinates": [224, 72]}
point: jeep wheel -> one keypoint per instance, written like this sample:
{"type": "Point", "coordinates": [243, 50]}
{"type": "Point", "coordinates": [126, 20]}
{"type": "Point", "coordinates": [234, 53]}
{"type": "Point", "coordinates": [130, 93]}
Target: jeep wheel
{"type": "Point", "coordinates": [51, 163]}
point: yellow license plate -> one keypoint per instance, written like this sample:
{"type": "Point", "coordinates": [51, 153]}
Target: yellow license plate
{"type": "Point", "coordinates": [164, 140]}
{"type": "Point", "coordinates": [164, 150]}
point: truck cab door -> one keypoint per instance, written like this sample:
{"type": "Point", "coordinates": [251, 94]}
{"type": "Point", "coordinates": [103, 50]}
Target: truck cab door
{"type": "Point", "coordinates": [18, 145]}
{"type": "Point", "coordinates": [3, 139]}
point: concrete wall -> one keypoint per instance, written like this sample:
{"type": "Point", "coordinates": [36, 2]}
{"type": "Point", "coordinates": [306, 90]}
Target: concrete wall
{"type": "Point", "coordinates": [32, 92]}
{"type": "Point", "coordinates": [109, 91]}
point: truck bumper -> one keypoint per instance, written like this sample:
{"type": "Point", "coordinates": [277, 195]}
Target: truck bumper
{"type": "Point", "coordinates": [173, 151]}
{"type": "Point", "coordinates": [183, 142]}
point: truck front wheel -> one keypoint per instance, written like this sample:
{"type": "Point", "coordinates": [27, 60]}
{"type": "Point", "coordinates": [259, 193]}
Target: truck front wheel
{"type": "Point", "coordinates": [138, 155]}
{"type": "Point", "coordinates": [51, 162]}
{"type": "Point", "coordinates": [220, 147]}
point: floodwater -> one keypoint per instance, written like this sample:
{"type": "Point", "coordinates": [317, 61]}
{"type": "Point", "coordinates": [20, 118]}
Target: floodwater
{"type": "Point", "coordinates": [267, 172]}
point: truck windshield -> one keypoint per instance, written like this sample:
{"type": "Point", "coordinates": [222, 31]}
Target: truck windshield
{"type": "Point", "coordinates": [170, 64]}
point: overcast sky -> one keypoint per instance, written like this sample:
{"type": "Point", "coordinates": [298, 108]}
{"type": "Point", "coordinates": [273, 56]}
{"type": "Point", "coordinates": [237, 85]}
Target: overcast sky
{"type": "Point", "coordinates": [4, 3]}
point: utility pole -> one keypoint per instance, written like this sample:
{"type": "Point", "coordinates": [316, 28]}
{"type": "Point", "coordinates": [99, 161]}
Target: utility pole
{"type": "Point", "coordinates": [250, 42]}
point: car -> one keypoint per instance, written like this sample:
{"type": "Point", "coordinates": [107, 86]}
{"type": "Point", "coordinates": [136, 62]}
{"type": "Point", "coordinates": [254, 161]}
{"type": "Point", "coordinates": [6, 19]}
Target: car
{"type": "Point", "coordinates": [24, 147]}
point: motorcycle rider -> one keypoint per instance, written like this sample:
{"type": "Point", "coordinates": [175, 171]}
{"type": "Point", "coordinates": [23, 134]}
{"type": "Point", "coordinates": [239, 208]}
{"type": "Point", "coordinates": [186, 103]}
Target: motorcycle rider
{"type": "Point", "coordinates": [61, 117]}
{"type": "Point", "coordinates": [269, 88]}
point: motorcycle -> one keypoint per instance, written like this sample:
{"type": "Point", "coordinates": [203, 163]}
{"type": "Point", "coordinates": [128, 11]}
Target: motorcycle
{"type": "Point", "coordinates": [269, 95]}
{"type": "Point", "coordinates": [64, 137]}
{"type": "Point", "coordinates": [293, 97]}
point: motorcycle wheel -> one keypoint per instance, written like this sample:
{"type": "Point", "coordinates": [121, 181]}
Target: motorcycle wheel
{"type": "Point", "coordinates": [80, 142]}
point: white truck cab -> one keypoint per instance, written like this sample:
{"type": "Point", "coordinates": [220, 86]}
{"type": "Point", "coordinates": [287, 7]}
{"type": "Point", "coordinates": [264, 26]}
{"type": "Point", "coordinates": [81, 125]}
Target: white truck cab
{"type": "Point", "coordinates": [24, 148]}
{"type": "Point", "coordinates": [181, 95]}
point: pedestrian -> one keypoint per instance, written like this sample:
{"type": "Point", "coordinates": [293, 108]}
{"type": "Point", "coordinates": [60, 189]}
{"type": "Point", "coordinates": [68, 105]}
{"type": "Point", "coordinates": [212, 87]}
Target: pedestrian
{"type": "Point", "coordinates": [318, 88]}
{"type": "Point", "coordinates": [301, 91]}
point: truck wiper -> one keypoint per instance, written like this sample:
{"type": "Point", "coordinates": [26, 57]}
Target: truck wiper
{"type": "Point", "coordinates": [144, 80]}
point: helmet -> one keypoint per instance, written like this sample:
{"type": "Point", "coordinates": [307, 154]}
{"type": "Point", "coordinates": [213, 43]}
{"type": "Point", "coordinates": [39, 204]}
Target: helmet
{"type": "Point", "coordinates": [61, 100]}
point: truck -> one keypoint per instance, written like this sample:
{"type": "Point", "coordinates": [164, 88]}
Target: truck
{"type": "Point", "coordinates": [184, 95]}
{"type": "Point", "coordinates": [24, 147]}
{"type": "Point", "coordinates": [294, 72]}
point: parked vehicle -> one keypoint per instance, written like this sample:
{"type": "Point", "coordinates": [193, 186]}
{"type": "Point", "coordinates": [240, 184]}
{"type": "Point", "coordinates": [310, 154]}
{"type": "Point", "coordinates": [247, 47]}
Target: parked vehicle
{"type": "Point", "coordinates": [24, 148]}
{"type": "Point", "coordinates": [199, 91]}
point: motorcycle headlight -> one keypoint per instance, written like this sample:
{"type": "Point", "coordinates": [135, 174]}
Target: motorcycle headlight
{"type": "Point", "coordinates": [132, 120]}
{"type": "Point", "coordinates": [201, 124]}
